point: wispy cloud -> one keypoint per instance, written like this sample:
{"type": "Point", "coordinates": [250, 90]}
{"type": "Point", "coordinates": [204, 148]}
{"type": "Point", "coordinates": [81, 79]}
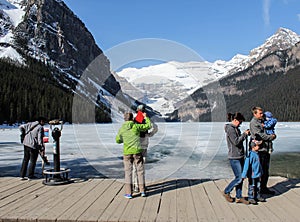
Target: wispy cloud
{"type": "Point", "coordinates": [298, 15]}
{"type": "Point", "coordinates": [266, 12]}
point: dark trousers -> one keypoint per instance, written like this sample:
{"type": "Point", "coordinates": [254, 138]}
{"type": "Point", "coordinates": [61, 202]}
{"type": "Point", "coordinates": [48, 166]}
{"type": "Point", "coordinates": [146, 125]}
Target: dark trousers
{"type": "Point", "coordinates": [264, 158]}
{"type": "Point", "coordinates": [29, 155]}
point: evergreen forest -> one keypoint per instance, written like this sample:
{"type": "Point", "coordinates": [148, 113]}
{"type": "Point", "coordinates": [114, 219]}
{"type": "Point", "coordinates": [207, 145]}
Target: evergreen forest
{"type": "Point", "coordinates": [278, 93]}
{"type": "Point", "coordinates": [28, 92]}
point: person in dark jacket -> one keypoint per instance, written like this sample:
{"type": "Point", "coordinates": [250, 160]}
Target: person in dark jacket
{"type": "Point", "coordinates": [33, 144]}
{"type": "Point", "coordinates": [258, 132]}
{"type": "Point", "coordinates": [236, 156]}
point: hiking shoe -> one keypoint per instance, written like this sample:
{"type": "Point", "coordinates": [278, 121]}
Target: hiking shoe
{"type": "Point", "coordinates": [128, 196]}
{"type": "Point", "coordinates": [143, 194]}
{"type": "Point", "coordinates": [260, 199]}
{"type": "Point", "coordinates": [23, 178]}
{"type": "Point", "coordinates": [228, 197]}
{"type": "Point", "coordinates": [252, 201]}
{"type": "Point", "coordinates": [242, 200]}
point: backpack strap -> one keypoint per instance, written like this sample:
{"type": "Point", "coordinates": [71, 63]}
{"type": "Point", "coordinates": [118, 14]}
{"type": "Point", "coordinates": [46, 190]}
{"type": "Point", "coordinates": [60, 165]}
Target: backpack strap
{"type": "Point", "coordinates": [31, 128]}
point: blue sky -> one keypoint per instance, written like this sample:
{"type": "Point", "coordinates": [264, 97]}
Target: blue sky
{"type": "Point", "coordinates": [215, 29]}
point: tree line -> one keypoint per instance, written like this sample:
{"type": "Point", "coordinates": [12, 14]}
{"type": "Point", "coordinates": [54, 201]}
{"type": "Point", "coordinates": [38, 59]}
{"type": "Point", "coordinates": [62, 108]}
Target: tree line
{"type": "Point", "coordinates": [278, 93]}
{"type": "Point", "coordinates": [27, 92]}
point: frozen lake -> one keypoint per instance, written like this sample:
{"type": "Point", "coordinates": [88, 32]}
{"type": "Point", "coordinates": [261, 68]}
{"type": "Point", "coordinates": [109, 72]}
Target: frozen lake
{"type": "Point", "coordinates": [178, 150]}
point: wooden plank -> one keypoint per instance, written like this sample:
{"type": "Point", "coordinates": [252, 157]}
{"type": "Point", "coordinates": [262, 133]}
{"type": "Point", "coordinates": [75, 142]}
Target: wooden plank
{"type": "Point", "coordinates": [185, 205]}
{"type": "Point", "coordinates": [19, 187]}
{"type": "Point", "coordinates": [287, 189]}
{"type": "Point", "coordinates": [11, 184]}
{"type": "Point", "coordinates": [98, 207]}
{"type": "Point", "coordinates": [261, 211]}
{"type": "Point", "coordinates": [22, 201]}
{"type": "Point", "coordinates": [151, 207]}
{"type": "Point", "coordinates": [282, 208]}
{"type": "Point", "coordinates": [242, 211]}
{"type": "Point", "coordinates": [31, 187]}
{"type": "Point", "coordinates": [296, 186]}
{"type": "Point", "coordinates": [286, 185]}
{"type": "Point", "coordinates": [115, 210]}
{"type": "Point", "coordinates": [202, 203]}
{"type": "Point", "coordinates": [170, 200]}
{"type": "Point", "coordinates": [35, 202]}
{"type": "Point", "coordinates": [76, 210]}
{"type": "Point", "coordinates": [219, 205]}
{"type": "Point", "coordinates": [53, 213]}
{"type": "Point", "coordinates": [7, 180]}
{"type": "Point", "coordinates": [35, 213]}
{"type": "Point", "coordinates": [133, 209]}
{"type": "Point", "coordinates": [167, 210]}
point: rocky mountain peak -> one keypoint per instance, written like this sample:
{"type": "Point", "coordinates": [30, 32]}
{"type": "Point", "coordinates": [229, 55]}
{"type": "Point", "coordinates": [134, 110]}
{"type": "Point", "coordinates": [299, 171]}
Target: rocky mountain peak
{"type": "Point", "coordinates": [49, 32]}
{"type": "Point", "coordinates": [283, 39]}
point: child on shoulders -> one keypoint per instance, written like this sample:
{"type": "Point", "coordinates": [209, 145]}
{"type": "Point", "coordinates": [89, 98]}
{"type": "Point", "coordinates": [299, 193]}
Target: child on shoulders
{"type": "Point", "coordinates": [269, 125]}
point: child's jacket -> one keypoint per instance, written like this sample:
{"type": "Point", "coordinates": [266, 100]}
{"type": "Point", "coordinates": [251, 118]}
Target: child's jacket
{"type": "Point", "coordinates": [252, 167]}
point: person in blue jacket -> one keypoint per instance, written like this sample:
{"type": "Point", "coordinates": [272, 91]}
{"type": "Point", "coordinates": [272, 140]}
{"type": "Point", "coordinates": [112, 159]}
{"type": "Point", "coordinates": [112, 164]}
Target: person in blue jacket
{"type": "Point", "coordinates": [253, 170]}
{"type": "Point", "coordinates": [269, 125]}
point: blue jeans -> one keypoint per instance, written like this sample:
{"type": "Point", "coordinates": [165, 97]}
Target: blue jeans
{"type": "Point", "coordinates": [237, 182]}
{"type": "Point", "coordinates": [254, 188]}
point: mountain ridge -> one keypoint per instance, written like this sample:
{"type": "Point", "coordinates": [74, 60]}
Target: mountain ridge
{"type": "Point", "coordinates": [49, 32]}
{"type": "Point", "coordinates": [278, 43]}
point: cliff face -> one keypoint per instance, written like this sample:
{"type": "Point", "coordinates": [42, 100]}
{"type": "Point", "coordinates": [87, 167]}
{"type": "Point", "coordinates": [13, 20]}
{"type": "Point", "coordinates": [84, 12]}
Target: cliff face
{"type": "Point", "coordinates": [50, 32]}
{"type": "Point", "coordinates": [53, 46]}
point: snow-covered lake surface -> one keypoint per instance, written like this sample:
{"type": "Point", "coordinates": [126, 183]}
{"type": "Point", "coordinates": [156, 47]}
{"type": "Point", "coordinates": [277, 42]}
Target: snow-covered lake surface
{"type": "Point", "coordinates": [178, 150]}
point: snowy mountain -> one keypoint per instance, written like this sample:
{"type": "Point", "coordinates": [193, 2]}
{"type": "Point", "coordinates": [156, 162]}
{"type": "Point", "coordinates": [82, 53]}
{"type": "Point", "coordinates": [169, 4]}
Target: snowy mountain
{"type": "Point", "coordinates": [48, 32]}
{"type": "Point", "coordinates": [12, 14]}
{"type": "Point", "coordinates": [269, 78]}
{"type": "Point", "coordinates": [164, 86]}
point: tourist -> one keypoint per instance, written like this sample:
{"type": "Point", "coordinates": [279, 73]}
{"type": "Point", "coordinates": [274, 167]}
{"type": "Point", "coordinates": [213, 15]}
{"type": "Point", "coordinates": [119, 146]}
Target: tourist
{"type": "Point", "coordinates": [253, 171]}
{"type": "Point", "coordinates": [258, 133]}
{"type": "Point", "coordinates": [269, 125]}
{"type": "Point", "coordinates": [129, 135]}
{"type": "Point", "coordinates": [32, 138]}
{"type": "Point", "coordinates": [236, 156]}
{"type": "Point", "coordinates": [144, 139]}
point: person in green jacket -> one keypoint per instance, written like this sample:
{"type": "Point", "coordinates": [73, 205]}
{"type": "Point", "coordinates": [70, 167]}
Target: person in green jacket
{"type": "Point", "coordinates": [129, 135]}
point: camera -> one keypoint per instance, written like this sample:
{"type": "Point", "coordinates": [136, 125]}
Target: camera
{"type": "Point", "coordinates": [45, 159]}
{"type": "Point", "coordinates": [248, 132]}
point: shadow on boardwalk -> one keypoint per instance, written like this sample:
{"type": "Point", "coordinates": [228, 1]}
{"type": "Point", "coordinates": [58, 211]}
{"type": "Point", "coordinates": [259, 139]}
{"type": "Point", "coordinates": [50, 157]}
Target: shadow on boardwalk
{"type": "Point", "coordinates": [165, 186]}
{"type": "Point", "coordinates": [80, 168]}
{"type": "Point", "coordinates": [285, 186]}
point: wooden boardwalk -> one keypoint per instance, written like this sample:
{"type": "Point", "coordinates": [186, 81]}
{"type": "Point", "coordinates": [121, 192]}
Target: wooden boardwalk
{"type": "Point", "coordinates": [169, 200]}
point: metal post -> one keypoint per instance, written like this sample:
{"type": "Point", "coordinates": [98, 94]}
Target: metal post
{"type": "Point", "coordinates": [57, 175]}
{"type": "Point", "coordinates": [56, 133]}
